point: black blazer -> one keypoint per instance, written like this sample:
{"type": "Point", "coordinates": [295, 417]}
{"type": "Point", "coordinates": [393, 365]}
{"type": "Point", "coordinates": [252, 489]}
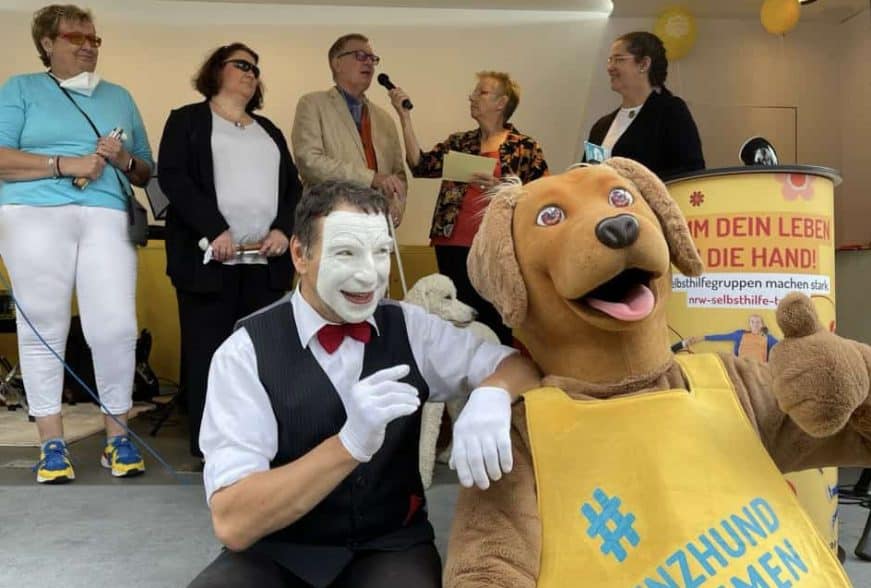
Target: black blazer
{"type": "Point", "coordinates": [662, 137]}
{"type": "Point", "coordinates": [186, 176]}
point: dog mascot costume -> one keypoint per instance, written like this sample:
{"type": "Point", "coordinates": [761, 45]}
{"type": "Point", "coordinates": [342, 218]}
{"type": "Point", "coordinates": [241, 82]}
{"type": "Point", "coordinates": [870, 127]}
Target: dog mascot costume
{"type": "Point", "coordinates": [634, 468]}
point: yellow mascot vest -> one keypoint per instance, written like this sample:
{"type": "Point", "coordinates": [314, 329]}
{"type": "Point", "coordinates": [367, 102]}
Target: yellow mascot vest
{"type": "Point", "coordinates": [669, 489]}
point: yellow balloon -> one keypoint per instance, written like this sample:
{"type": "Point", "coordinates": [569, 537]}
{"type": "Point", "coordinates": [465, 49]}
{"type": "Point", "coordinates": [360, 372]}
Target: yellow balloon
{"type": "Point", "coordinates": [779, 16]}
{"type": "Point", "coordinates": [677, 28]}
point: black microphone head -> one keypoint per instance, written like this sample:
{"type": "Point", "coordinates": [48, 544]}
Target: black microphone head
{"type": "Point", "coordinates": [757, 151]}
{"type": "Point", "coordinates": [384, 80]}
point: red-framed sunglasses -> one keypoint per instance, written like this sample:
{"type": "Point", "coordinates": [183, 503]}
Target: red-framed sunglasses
{"type": "Point", "coordinates": [78, 39]}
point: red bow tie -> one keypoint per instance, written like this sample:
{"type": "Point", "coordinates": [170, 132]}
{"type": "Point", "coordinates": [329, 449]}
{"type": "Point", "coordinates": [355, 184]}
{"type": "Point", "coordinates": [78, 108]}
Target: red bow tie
{"type": "Point", "coordinates": [331, 336]}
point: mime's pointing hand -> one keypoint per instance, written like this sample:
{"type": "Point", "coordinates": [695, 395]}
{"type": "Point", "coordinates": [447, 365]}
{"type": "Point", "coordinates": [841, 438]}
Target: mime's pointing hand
{"type": "Point", "coordinates": [371, 405]}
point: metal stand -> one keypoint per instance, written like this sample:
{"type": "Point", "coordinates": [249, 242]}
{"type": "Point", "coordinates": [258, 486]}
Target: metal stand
{"type": "Point", "coordinates": [11, 386]}
{"type": "Point", "coordinates": [863, 548]}
{"type": "Point", "coordinates": [165, 411]}
{"type": "Point", "coordinates": [863, 485]}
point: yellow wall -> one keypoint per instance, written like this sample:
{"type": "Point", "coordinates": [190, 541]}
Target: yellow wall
{"type": "Point", "coordinates": [417, 261]}
{"type": "Point", "coordinates": [157, 310]}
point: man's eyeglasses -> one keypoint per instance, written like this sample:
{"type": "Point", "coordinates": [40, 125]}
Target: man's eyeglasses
{"type": "Point", "coordinates": [361, 55]}
{"type": "Point", "coordinates": [245, 66]}
{"type": "Point", "coordinates": [78, 39]}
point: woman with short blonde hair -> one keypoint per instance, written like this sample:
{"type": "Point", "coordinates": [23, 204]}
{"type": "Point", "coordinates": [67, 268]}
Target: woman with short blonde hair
{"type": "Point", "coordinates": [65, 182]}
{"type": "Point", "coordinates": [460, 205]}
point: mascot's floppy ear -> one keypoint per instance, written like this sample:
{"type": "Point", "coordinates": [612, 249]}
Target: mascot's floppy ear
{"type": "Point", "coordinates": [683, 251]}
{"type": "Point", "coordinates": [492, 265]}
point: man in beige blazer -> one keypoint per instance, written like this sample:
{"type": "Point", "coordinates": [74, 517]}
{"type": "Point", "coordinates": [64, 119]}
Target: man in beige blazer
{"type": "Point", "coordinates": [330, 126]}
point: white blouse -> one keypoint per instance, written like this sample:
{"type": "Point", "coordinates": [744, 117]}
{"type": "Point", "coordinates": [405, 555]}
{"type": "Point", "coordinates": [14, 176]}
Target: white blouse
{"type": "Point", "coordinates": [247, 164]}
{"type": "Point", "coordinates": [621, 122]}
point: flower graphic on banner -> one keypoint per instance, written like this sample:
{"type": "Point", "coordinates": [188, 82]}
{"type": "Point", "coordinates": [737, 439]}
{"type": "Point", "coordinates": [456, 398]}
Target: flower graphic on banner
{"type": "Point", "coordinates": [697, 198]}
{"type": "Point", "coordinates": [797, 185]}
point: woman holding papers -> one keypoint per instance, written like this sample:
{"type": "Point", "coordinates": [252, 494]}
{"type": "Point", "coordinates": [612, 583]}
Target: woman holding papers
{"type": "Point", "coordinates": [652, 126]}
{"type": "Point", "coordinates": [461, 200]}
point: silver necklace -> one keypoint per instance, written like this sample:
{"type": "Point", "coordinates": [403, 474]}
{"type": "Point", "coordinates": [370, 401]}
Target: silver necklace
{"type": "Point", "coordinates": [236, 123]}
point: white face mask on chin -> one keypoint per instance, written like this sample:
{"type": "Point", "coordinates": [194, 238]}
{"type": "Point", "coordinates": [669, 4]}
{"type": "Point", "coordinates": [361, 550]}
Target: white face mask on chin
{"type": "Point", "coordinates": [84, 83]}
{"type": "Point", "coordinates": [355, 263]}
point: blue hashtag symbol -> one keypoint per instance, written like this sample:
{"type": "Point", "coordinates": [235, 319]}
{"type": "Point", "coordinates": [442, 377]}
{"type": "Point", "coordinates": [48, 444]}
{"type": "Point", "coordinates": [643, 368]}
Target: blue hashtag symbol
{"type": "Point", "coordinates": [610, 524]}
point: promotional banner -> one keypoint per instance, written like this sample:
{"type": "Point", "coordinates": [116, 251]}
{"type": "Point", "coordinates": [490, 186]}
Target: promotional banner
{"type": "Point", "coordinates": [761, 234]}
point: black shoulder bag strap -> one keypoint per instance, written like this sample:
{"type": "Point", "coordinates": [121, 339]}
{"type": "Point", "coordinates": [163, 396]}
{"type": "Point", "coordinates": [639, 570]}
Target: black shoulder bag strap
{"type": "Point", "coordinates": [124, 187]}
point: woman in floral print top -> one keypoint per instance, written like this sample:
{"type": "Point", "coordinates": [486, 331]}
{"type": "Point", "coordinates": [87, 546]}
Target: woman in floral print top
{"type": "Point", "coordinates": [460, 206]}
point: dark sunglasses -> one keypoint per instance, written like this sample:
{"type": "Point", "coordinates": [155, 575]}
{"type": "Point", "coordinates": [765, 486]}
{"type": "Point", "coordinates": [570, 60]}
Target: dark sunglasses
{"type": "Point", "coordinates": [361, 55]}
{"type": "Point", "coordinates": [245, 66]}
{"type": "Point", "coordinates": [78, 39]}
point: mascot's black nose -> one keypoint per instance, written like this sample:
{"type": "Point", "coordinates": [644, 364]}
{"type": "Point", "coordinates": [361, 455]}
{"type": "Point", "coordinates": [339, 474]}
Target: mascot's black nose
{"type": "Point", "coordinates": [618, 231]}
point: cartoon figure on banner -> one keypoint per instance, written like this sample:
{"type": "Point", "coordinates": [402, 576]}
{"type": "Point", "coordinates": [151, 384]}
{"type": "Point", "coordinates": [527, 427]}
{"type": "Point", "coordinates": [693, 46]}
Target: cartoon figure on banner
{"type": "Point", "coordinates": [754, 343]}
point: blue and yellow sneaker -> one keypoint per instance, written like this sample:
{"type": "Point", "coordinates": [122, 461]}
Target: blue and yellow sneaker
{"type": "Point", "coordinates": [54, 466]}
{"type": "Point", "coordinates": [122, 457]}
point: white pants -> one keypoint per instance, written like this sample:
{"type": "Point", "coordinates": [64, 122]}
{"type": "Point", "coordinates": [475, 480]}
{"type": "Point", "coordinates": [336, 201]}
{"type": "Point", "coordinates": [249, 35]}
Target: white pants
{"type": "Point", "coordinates": [48, 250]}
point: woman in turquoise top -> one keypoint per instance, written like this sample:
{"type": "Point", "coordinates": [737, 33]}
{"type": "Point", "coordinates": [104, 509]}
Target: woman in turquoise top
{"type": "Point", "coordinates": [55, 237]}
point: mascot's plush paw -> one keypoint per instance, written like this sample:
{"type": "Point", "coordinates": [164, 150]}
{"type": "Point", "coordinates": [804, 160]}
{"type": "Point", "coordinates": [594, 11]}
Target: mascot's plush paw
{"type": "Point", "coordinates": [819, 379]}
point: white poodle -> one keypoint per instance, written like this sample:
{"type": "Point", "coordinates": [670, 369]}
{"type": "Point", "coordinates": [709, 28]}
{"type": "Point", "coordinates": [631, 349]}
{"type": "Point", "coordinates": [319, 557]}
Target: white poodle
{"type": "Point", "coordinates": [438, 295]}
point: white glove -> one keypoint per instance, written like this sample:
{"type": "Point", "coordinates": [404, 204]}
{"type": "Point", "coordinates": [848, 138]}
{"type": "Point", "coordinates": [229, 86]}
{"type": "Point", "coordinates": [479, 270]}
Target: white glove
{"type": "Point", "coordinates": [371, 405]}
{"type": "Point", "coordinates": [482, 438]}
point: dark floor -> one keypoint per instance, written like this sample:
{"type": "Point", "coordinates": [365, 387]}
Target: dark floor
{"type": "Point", "coordinates": [154, 531]}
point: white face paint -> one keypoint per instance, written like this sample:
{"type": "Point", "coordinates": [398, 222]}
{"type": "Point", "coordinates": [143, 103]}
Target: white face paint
{"type": "Point", "coordinates": [355, 263]}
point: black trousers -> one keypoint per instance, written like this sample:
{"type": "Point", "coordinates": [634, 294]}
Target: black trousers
{"type": "Point", "coordinates": [417, 567]}
{"type": "Point", "coordinates": [452, 263]}
{"type": "Point", "coordinates": [206, 320]}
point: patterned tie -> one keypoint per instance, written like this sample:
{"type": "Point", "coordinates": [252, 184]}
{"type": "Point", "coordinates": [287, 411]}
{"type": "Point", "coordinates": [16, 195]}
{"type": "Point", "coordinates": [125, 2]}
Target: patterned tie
{"type": "Point", "coordinates": [331, 336]}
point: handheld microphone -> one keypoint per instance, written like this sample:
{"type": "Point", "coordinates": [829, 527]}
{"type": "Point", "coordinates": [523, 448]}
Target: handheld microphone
{"type": "Point", "coordinates": [384, 80]}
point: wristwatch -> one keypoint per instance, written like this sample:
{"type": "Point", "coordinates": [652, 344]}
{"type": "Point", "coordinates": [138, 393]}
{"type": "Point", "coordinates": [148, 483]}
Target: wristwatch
{"type": "Point", "coordinates": [131, 165]}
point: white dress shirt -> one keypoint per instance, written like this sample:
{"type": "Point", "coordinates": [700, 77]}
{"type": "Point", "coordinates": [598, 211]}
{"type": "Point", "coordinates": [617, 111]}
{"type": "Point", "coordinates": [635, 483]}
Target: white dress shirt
{"type": "Point", "coordinates": [239, 433]}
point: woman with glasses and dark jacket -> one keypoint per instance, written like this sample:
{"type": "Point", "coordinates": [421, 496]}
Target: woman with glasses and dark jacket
{"type": "Point", "coordinates": [460, 205]}
{"type": "Point", "coordinates": [652, 126]}
{"type": "Point", "coordinates": [232, 187]}
{"type": "Point", "coordinates": [57, 237]}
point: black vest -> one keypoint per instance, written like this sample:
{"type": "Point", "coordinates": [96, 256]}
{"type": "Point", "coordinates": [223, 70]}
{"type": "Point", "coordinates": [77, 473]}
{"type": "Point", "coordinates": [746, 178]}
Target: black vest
{"type": "Point", "coordinates": [381, 504]}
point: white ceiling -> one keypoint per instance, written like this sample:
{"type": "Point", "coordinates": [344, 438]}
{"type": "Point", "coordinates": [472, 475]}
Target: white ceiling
{"type": "Point", "coordinates": [832, 11]}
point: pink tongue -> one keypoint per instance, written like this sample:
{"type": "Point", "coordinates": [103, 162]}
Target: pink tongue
{"type": "Point", "coordinates": [637, 305]}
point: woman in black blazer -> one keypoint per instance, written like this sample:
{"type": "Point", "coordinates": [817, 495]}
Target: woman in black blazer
{"type": "Point", "coordinates": [233, 188]}
{"type": "Point", "coordinates": [652, 126]}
